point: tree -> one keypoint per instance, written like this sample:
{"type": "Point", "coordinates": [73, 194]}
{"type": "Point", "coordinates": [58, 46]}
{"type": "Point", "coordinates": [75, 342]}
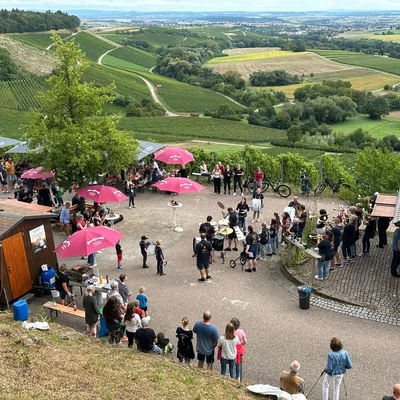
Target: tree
{"type": "Point", "coordinates": [76, 141]}
{"type": "Point", "coordinates": [8, 68]}
{"type": "Point", "coordinates": [294, 133]}
{"type": "Point", "coordinates": [376, 107]}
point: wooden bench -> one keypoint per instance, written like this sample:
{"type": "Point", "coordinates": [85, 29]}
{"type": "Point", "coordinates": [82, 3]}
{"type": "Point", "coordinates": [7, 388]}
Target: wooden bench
{"type": "Point", "coordinates": [63, 309]}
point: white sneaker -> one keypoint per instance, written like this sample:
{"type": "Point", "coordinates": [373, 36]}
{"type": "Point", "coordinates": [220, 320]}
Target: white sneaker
{"type": "Point", "coordinates": [318, 279]}
{"type": "Point", "coordinates": [242, 194]}
{"type": "Point", "coordinates": [257, 220]}
{"type": "Point", "coordinates": [361, 254]}
{"type": "Point", "coordinates": [253, 220]}
{"type": "Point", "coordinates": [233, 193]}
{"type": "Point", "coordinates": [129, 207]}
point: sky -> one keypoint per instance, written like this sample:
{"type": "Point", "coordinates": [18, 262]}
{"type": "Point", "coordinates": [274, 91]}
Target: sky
{"type": "Point", "coordinates": [203, 5]}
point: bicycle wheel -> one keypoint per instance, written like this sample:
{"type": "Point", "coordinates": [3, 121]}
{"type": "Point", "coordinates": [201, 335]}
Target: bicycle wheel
{"type": "Point", "coordinates": [265, 186]}
{"type": "Point", "coordinates": [344, 185]}
{"type": "Point", "coordinates": [284, 190]}
{"type": "Point", "coordinates": [243, 260]}
{"type": "Point", "coordinates": [250, 186]}
{"type": "Point", "coordinates": [319, 189]}
{"type": "Point", "coordinates": [232, 263]}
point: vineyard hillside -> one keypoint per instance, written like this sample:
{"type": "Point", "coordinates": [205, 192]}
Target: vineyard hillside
{"type": "Point", "coordinates": [39, 40]}
{"type": "Point", "coordinates": [135, 56]}
{"type": "Point", "coordinates": [91, 45]}
{"type": "Point", "coordinates": [19, 94]}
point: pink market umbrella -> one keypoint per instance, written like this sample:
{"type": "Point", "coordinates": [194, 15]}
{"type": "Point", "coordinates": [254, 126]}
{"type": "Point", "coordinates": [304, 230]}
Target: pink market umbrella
{"type": "Point", "coordinates": [174, 155]}
{"type": "Point", "coordinates": [178, 185]}
{"type": "Point", "coordinates": [101, 194]}
{"type": "Point", "coordinates": [88, 241]}
{"type": "Point", "coordinates": [37, 173]}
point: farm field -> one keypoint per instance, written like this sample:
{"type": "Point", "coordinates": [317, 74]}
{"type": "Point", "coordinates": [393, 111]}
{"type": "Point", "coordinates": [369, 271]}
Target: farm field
{"type": "Point", "coordinates": [224, 33]}
{"type": "Point", "coordinates": [253, 56]}
{"type": "Point", "coordinates": [135, 56]}
{"type": "Point", "coordinates": [12, 123]}
{"type": "Point", "coordinates": [19, 94]}
{"type": "Point", "coordinates": [182, 97]}
{"type": "Point", "coordinates": [368, 35]}
{"type": "Point", "coordinates": [115, 62]}
{"type": "Point", "coordinates": [295, 63]}
{"type": "Point", "coordinates": [360, 79]}
{"type": "Point", "coordinates": [126, 83]}
{"type": "Point", "coordinates": [91, 46]}
{"type": "Point", "coordinates": [177, 129]}
{"type": "Point", "coordinates": [113, 37]}
{"type": "Point", "coordinates": [386, 38]}
{"type": "Point", "coordinates": [248, 50]}
{"type": "Point", "coordinates": [39, 40]}
{"type": "Point", "coordinates": [377, 128]}
{"type": "Point", "coordinates": [385, 64]}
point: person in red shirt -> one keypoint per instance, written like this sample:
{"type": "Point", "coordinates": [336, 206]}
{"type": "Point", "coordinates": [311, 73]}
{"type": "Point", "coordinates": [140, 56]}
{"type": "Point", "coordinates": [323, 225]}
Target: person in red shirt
{"type": "Point", "coordinates": [258, 178]}
{"type": "Point", "coordinates": [138, 310]}
{"type": "Point", "coordinates": [221, 167]}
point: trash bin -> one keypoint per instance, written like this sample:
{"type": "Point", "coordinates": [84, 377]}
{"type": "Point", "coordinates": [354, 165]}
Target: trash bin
{"type": "Point", "coordinates": [304, 292]}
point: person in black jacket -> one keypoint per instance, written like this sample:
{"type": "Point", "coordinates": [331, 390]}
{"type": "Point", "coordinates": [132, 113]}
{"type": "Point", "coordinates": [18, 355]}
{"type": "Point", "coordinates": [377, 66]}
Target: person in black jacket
{"type": "Point", "coordinates": [91, 311]}
{"type": "Point", "coordinates": [369, 233]}
{"type": "Point", "coordinates": [347, 241]}
{"type": "Point", "coordinates": [160, 258]}
{"type": "Point", "coordinates": [327, 252]}
{"type": "Point", "coordinates": [227, 178]}
{"type": "Point", "coordinates": [396, 393]}
{"type": "Point", "coordinates": [263, 241]}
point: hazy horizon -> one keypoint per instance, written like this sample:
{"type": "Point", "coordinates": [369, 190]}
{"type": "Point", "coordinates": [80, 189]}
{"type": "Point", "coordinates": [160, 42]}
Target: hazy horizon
{"type": "Point", "coordinates": [203, 6]}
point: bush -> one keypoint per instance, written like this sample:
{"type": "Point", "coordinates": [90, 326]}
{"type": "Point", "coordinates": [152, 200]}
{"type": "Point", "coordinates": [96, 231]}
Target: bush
{"type": "Point", "coordinates": [146, 108]}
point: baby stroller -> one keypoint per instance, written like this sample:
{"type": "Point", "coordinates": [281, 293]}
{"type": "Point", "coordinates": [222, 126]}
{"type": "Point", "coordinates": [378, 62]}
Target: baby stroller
{"type": "Point", "coordinates": [164, 343]}
{"type": "Point", "coordinates": [242, 259]}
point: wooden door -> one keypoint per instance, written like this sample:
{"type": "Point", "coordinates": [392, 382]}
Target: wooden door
{"type": "Point", "coordinates": [17, 265]}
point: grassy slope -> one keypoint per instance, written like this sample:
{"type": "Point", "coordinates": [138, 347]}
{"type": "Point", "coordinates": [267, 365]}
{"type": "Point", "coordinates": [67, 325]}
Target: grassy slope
{"type": "Point", "coordinates": [41, 365]}
{"type": "Point", "coordinates": [385, 64]}
{"type": "Point", "coordinates": [92, 46]}
{"type": "Point", "coordinates": [377, 128]}
{"type": "Point", "coordinates": [174, 129]}
{"type": "Point", "coordinates": [181, 97]}
{"type": "Point", "coordinates": [126, 84]}
{"type": "Point", "coordinates": [135, 56]}
{"type": "Point", "coordinates": [115, 62]}
{"type": "Point", "coordinates": [39, 40]}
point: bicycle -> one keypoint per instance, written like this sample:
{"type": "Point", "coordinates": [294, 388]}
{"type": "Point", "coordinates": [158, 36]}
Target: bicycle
{"type": "Point", "coordinates": [305, 183]}
{"type": "Point", "coordinates": [277, 186]}
{"type": "Point", "coordinates": [335, 187]}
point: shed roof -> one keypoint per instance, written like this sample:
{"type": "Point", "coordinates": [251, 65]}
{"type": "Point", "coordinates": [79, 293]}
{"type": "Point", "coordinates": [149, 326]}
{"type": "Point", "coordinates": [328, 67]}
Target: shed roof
{"type": "Point", "coordinates": [13, 212]}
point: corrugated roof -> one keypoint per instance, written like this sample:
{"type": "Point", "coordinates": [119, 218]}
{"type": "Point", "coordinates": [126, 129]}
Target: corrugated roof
{"type": "Point", "coordinates": [13, 211]}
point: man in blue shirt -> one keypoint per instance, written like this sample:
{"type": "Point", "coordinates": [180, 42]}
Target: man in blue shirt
{"type": "Point", "coordinates": [396, 251]}
{"type": "Point", "coordinates": [207, 340]}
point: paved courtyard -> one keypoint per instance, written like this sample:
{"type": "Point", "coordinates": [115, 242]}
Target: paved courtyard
{"type": "Point", "coordinates": [265, 302]}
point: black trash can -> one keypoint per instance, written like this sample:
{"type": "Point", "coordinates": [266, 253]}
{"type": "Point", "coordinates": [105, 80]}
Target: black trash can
{"type": "Point", "coordinates": [304, 292]}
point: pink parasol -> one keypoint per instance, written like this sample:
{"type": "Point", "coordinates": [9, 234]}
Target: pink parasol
{"type": "Point", "coordinates": [36, 173]}
{"type": "Point", "coordinates": [178, 185]}
{"type": "Point", "coordinates": [174, 155]}
{"type": "Point", "coordinates": [101, 194]}
{"type": "Point", "coordinates": [87, 241]}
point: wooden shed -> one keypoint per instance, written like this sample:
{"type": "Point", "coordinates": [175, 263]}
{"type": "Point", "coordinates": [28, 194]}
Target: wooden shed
{"type": "Point", "coordinates": [26, 243]}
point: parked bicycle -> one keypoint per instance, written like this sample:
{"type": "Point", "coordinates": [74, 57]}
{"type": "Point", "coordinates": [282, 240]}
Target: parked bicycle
{"type": "Point", "coordinates": [249, 184]}
{"type": "Point", "coordinates": [305, 183]}
{"type": "Point", "coordinates": [276, 185]}
{"type": "Point", "coordinates": [335, 187]}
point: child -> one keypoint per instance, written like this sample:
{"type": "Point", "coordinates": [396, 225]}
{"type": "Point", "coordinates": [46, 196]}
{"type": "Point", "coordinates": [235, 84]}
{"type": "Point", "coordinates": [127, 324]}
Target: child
{"type": "Point", "coordinates": [240, 350]}
{"type": "Point", "coordinates": [294, 229]}
{"type": "Point", "coordinates": [263, 241]}
{"type": "Point", "coordinates": [164, 343]}
{"type": "Point", "coordinates": [132, 323]}
{"type": "Point", "coordinates": [273, 235]}
{"type": "Point", "coordinates": [143, 299]}
{"type": "Point", "coordinates": [160, 258]}
{"type": "Point", "coordinates": [369, 233]}
{"type": "Point", "coordinates": [118, 249]}
{"type": "Point", "coordinates": [228, 344]}
{"type": "Point", "coordinates": [59, 196]}
{"type": "Point", "coordinates": [185, 345]}
{"type": "Point", "coordinates": [137, 310]}
{"type": "Point", "coordinates": [131, 194]}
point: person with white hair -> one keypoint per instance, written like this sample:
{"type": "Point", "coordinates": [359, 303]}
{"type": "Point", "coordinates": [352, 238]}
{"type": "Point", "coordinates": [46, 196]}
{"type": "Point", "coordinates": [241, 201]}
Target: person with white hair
{"type": "Point", "coordinates": [114, 292]}
{"type": "Point", "coordinates": [396, 393]}
{"type": "Point", "coordinates": [290, 382]}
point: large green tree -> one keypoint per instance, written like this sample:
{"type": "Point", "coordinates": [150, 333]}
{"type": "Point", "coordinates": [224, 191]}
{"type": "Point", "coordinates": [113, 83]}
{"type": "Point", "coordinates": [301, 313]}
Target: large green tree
{"type": "Point", "coordinates": [73, 137]}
